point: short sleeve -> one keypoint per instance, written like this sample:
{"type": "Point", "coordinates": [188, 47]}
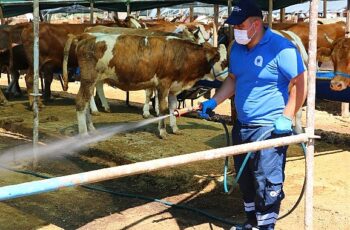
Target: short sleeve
{"type": "Point", "coordinates": [290, 63]}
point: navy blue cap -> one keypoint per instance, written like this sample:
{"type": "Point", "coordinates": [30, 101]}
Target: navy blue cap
{"type": "Point", "coordinates": [243, 10]}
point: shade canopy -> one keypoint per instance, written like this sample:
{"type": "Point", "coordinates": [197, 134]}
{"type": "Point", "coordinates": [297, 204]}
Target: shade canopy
{"type": "Point", "coordinates": [12, 8]}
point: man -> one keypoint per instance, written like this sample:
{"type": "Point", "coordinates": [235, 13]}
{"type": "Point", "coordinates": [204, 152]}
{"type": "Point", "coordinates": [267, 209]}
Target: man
{"type": "Point", "coordinates": [262, 65]}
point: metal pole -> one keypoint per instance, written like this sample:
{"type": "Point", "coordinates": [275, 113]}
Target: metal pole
{"type": "Point", "coordinates": [36, 187]}
{"type": "Point", "coordinates": [310, 119]}
{"type": "Point", "coordinates": [270, 12]}
{"type": "Point", "coordinates": [91, 12]}
{"type": "Point", "coordinates": [36, 94]}
{"type": "Point", "coordinates": [345, 106]}
{"type": "Point", "coordinates": [325, 8]}
{"type": "Point", "coordinates": [216, 25]}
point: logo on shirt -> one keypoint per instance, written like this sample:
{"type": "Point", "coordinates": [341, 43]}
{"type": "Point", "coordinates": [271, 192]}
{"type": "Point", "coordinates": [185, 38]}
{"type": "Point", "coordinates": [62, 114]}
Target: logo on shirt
{"type": "Point", "coordinates": [259, 61]}
{"type": "Point", "coordinates": [274, 193]}
{"type": "Point", "coordinates": [236, 9]}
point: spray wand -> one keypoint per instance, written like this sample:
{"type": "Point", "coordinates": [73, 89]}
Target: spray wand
{"type": "Point", "coordinates": [181, 112]}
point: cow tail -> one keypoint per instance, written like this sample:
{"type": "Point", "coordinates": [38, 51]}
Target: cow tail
{"type": "Point", "coordinates": [67, 46]}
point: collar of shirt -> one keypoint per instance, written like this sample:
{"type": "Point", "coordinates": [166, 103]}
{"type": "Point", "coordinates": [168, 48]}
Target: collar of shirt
{"type": "Point", "coordinates": [266, 38]}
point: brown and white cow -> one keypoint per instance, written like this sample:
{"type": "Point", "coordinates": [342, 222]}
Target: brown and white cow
{"type": "Point", "coordinates": [117, 30]}
{"type": "Point", "coordinates": [339, 54]}
{"type": "Point", "coordinates": [167, 64]}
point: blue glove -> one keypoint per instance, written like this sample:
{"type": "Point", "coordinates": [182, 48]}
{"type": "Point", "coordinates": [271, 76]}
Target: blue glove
{"type": "Point", "coordinates": [282, 125]}
{"type": "Point", "coordinates": [209, 104]}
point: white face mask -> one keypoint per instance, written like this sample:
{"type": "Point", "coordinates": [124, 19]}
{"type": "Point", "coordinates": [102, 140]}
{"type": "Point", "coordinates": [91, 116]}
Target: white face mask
{"type": "Point", "coordinates": [241, 36]}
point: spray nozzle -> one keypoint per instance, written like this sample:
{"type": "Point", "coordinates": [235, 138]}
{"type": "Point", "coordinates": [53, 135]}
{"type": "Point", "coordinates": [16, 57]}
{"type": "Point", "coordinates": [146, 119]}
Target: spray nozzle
{"type": "Point", "coordinates": [181, 112]}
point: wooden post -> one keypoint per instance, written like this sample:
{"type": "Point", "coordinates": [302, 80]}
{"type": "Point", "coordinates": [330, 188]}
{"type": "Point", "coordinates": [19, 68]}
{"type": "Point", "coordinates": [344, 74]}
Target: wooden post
{"type": "Point", "coordinates": [2, 16]}
{"type": "Point", "coordinates": [36, 94]}
{"type": "Point", "coordinates": [345, 106]}
{"type": "Point", "coordinates": [216, 25]}
{"type": "Point", "coordinates": [282, 14]}
{"type": "Point", "coordinates": [127, 100]}
{"type": "Point", "coordinates": [310, 117]}
{"type": "Point", "coordinates": [158, 13]}
{"type": "Point", "coordinates": [325, 8]}
{"type": "Point", "coordinates": [91, 12]}
{"type": "Point", "coordinates": [191, 13]}
{"type": "Point", "coordinates": [270, 13]}
{"type": "Point", "coordinates": [229, 9]}
{"type": "Point", "coordinates": [345, 110]}
{"type": "Point", "coordinates": [128, 10]}
{"type": "Point", "coordinates": [230, 30]}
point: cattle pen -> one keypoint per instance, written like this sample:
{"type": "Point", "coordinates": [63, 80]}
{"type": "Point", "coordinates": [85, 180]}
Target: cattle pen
{"type": "Point", "coordinates": [30, 188]}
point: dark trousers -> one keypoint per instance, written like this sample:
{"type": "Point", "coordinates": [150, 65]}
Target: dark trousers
{"type": "Point", "coordinates": [261, 182]}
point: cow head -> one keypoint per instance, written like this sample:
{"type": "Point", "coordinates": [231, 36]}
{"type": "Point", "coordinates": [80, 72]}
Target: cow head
{"type": "Point", "coordinates": [131, 22]}
{"type": "Point", "coordinates": [218, 62]}
{"type": "Point", "coordinates": [340, 56]}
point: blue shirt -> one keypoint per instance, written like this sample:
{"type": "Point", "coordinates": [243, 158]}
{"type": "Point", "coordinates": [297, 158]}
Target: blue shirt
{"type": "Point", "coordinates": [262, 76]}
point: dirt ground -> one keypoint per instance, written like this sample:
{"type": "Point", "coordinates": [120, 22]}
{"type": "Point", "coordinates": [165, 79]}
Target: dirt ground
{"type": "Point", "coordinates": [197, 186]}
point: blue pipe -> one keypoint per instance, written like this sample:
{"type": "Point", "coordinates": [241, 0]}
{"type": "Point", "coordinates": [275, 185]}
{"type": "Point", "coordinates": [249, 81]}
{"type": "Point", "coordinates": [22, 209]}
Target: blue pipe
{"type": "Point", "coordinates": [34, 187]}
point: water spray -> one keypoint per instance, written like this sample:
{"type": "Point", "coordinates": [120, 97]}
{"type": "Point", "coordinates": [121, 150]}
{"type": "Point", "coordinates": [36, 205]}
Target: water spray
{"type": "Point", "coordinates": [69, 145]}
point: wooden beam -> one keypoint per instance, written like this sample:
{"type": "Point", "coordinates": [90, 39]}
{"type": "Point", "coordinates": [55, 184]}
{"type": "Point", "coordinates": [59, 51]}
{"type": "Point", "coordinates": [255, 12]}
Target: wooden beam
{"type": "Point", "coordinates": [310, 117]}
{"type": "Point", "coordinates": [158, 13]}
{"type": "Point", "coordinates": [35, 93]}
{"type": "Point", "coordinates": [270, 13]}
{"type": "Point", "coordinates": [325, 8]}
{"type": "Point", "coordinates": [216, 25]}
{"type": "Point", "coordinates": [2, 16]}
{"type": "Point", "coordinates": [127, 100]}
{"type": "Point", "coordinates": [191, 13]}
{"type": "Point", "coordinates": [91, 12]}
{"type": "Point", "coordinates": [282, 14]}
{"type": "Point", "coordinates": [345, 110]}
{"type": "Point", "coordinates": [229, 11]}
{"type": "Point", "coordinates": [345, 106]}
{"type": "Point", "coordinates": [128, 10]}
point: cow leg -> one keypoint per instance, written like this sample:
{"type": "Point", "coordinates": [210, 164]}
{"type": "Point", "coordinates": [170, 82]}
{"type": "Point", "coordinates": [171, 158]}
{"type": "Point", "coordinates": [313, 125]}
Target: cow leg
{"type": "Point", "coordinates": [146, 113]}
{"type": "Point", "coordinates": [13, 88]}
{"type": "Point", "coordinates": [298, 127]}
{"type": "Point", "coordinates": [93, 107]}
{"type": "Point", "coordinates": [3, 100]}
{"type": "Point", "coordinates": [156, 103]}
{"type": "Point", "coordinates": [172, 106]}
{"type": "Point", "coordinates": [90, 125]}
{"type": "Point", "coordinates": [29, 83]}
{"type": "Point", "coordinates": [86, 91]}
{"type": "Point", "coordinates": [48, 77]}
{"type": "Point", "coordinates": [100, 93]}
{"type": "Point", "coordinates": [163, 109]}
{"type": "Point", "coordinates": [81, 117]}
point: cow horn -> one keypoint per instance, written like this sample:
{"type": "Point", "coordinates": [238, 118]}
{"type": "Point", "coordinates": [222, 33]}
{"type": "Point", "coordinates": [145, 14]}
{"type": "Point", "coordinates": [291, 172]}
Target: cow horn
{"type": "Point", "coordinates": [328, 39]}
